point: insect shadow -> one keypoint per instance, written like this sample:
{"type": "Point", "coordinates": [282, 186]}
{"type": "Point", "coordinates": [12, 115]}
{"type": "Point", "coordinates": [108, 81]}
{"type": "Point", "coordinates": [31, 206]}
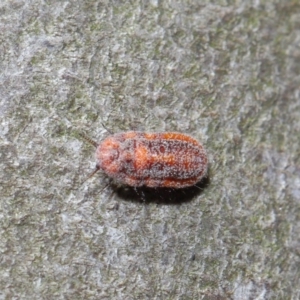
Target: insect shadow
{"type": "Point", "coordinates": [161, 195]}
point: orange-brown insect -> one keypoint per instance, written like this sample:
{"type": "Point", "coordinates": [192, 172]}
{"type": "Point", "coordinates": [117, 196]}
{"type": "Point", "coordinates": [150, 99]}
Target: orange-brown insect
{"type": "Point", "coordinates": [168, 159]}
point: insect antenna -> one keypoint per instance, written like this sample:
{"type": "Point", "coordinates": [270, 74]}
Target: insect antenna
{"type": "Point", "coordinates": [89, 140]}
{"type": "Point", "coordinates": [97, 168]}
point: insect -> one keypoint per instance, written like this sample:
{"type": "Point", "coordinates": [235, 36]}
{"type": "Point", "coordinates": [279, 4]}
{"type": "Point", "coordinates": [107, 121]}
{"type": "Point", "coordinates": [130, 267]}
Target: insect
{"type": "Point", "coordinates": [167, 159]}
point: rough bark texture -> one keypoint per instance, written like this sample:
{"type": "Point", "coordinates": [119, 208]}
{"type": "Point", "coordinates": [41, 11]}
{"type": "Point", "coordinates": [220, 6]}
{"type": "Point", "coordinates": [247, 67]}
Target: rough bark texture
{"type": "Point", "coordinates": [225, 72]}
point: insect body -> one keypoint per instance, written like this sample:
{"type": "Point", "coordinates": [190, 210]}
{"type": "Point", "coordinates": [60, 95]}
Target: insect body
{"type": "Point", "coordinates": [169, 159]}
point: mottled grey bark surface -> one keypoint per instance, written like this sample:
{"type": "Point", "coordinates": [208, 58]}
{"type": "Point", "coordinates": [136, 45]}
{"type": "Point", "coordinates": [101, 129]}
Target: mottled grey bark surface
{"type": "Point", "coordinates": [225, 72]}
